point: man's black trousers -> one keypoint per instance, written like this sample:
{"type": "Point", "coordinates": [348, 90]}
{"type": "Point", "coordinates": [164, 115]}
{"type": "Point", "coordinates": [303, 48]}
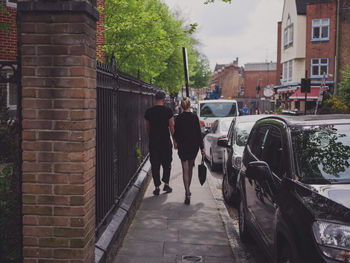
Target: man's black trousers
{"type": "Point", "coordinates": [160, 157]}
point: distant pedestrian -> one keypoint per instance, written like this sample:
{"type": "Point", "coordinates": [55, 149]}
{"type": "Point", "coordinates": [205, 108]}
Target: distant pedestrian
{"type": "Point", "coordinates": [245, 110]}
{"type": "Point", "coordinates": [188, 140]}
{"type": "Point", "coordinates": [159, 123]}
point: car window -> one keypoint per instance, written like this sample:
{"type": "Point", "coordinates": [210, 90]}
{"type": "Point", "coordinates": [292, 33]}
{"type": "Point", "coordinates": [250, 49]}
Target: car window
{"type": "Point", "coordinates": [257, 140]}
{"type": "Point", "coordinates": [322, 153]}
{"type": "Point", "coordinates": [272, 153]}
{"type": "Point", "coordinates": [218, 109]}
{"type": "Point", "coordinates": [242, 131]}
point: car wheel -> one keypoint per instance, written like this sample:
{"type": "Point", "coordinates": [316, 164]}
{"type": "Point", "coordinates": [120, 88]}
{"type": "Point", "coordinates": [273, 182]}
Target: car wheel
{"type": "Point", "coordinates": [242, 221]}
{"type": "Point", "coordinates": [286, 255]}
{"type": "Point", "coordinates": [227, 190]}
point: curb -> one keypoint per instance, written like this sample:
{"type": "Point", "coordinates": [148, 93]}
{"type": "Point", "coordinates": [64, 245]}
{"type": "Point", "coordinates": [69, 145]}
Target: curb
{"type": "Point", "coordinates": [112, 237]}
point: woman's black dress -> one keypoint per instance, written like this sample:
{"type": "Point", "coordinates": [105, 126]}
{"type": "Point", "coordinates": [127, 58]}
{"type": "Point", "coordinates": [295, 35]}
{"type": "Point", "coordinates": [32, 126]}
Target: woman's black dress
{"type": "Point", "coordinates": [188, 135]}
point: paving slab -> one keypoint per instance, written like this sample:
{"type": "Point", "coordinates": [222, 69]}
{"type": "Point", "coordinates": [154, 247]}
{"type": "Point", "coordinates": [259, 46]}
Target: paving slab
{"type": "Point", "coordinates": [165, 229]}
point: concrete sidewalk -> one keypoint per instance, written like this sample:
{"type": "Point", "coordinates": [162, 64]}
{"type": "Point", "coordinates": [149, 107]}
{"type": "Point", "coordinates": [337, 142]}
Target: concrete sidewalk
{"type": "Point", "coordinates": [166, 230]}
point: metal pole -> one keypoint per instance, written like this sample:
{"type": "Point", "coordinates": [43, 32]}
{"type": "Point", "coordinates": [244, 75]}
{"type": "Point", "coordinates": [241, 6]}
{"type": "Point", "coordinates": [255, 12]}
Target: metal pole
{"type": "Point", "coordinates": [184, 52]}
{"type": "Point", "coordinates": [305, 94]}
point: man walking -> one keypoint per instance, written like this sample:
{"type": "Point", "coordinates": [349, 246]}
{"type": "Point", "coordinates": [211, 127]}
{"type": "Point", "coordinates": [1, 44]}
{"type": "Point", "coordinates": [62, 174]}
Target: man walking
{"type": "Point", "coordinates": [159, 121]}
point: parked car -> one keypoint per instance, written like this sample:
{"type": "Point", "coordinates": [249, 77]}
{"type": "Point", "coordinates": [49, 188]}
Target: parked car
{"type": "Point", "coordinates": [233, 147]}
{"type": "Point", "coordinates": [294, 187]}
{"type": "Point", "coordinates": [217, 131]}
{"type": "Point", "coordinates": [210, 110]}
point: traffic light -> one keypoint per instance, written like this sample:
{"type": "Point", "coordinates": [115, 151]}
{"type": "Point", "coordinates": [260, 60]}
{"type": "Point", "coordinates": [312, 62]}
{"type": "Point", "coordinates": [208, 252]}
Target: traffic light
{"type": "Point", "coordinates": [305, 85]}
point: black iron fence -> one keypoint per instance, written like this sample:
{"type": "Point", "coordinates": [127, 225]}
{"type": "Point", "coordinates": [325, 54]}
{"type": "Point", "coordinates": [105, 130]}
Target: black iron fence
{"type": "Point", "coordinates": [10, 163]}
{"type": "Point", "coordinates": [121, 141]}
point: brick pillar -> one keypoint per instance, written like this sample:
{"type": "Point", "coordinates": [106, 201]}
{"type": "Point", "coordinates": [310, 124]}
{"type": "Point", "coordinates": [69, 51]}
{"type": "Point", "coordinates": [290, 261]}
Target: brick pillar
{"type": "Point", "coordinates": [58, 53]}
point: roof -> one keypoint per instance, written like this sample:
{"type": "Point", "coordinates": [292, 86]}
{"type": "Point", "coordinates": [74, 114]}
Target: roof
{"type": "Point", "coordinates": [260, 66]}
{"type": "Point", "coordinates": [218, 100]}
{"type": "Point", "coordinates": [304, 120]}
{"type": "Point", "coordinates": [219, 66]}
{"type": "Point", "coordinates": [301, 5]}
{"type": "Point", "coordinates": [250, 118]}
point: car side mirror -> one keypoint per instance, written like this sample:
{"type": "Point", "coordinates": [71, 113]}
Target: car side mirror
{"type": "Point", "coordinates": [223, 142]}
{"type": "Point", "coordinates": [258, 170]}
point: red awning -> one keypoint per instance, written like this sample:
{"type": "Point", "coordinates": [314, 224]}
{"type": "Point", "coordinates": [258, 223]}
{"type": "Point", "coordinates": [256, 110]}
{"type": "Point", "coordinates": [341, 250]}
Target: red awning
{"type": "Point", "coordinates": [312, 95]}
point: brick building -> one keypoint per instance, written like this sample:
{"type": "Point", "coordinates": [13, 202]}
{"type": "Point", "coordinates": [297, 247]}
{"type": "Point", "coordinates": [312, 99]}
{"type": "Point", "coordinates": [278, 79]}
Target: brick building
{"type": "Point", "coordinates": [308, 44]}
{"type": "Point", "coordinates": [8, 35]}
{"type": "Point", "coordinates": [229, 78]}
{"type": "Point", "coordinates": [8, 47]}
{"type": "Point", "coordinates": [258, 79]}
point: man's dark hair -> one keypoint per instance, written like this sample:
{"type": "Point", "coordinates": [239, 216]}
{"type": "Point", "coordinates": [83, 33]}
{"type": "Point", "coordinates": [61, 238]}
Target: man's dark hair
{"type": "Point", "coordinates": [160, 95]}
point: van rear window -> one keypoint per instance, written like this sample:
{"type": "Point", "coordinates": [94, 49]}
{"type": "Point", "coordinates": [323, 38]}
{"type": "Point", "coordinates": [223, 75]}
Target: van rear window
{"type": "Point", "coordinates": [218, 109]}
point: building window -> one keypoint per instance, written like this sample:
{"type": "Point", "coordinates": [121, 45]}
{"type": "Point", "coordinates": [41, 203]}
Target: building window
{"type": "Point", "coordinates": [288, 33]}
{"type": "Point", "coordinates": [319, 66]}
{"type": "Point", "coordinates": [290, 70]}
{"type": "Point", "coordinates": [320, 29]}
{"type": "Point", "coordinates": [241, 91]}
{"type": "Point", "coordinates": [285, 71]}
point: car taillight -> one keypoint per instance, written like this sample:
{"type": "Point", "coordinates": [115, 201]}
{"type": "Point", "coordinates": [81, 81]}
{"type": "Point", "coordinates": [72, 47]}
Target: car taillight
{"type": "Point", "coordinates": [201, 123]}
{"type": "Point", "coordinates": [222, 137]}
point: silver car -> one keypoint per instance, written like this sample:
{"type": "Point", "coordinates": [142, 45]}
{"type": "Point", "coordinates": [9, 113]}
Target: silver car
{"type": "Point", "coordinates": [213, 152]}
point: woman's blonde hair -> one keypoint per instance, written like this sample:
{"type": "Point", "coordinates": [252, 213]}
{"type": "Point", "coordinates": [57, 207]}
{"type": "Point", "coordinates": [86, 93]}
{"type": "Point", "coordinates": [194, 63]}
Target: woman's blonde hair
{"type": "Point", "coordinates": [185, 103]}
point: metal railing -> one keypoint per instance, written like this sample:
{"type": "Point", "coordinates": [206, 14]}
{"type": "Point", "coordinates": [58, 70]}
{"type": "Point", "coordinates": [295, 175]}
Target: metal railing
{"type": "Point", "coordinates": [121, 139]}
{"type": "Point", "coordinates": [10, 163]}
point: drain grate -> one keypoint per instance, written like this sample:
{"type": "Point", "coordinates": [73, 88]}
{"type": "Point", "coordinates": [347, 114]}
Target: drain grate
{"type": "Point", "coordinates": [192, 258]}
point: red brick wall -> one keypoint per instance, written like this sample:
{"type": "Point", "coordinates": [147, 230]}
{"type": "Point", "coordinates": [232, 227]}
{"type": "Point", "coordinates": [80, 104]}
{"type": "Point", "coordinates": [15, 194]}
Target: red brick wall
{"type": "Point", "coordinates": [100, 36]}
{"type": "Point", "coordinates": [344, 36]}
{"type": "Point", "coordinates": [278, 64]}
{"type": "Point", "coordinates": [8, 40]}
{"type": "Point", "coordinates": [323, 49]}
{"type": "Point", "coordinates": [229, 80]}
{"type": "Point", "coordinates": [252, 78]}
{"type": "Point", "coordinates": [59, 120]}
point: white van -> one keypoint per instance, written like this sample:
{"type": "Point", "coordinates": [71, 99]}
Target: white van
{"type": "Point", "coordinates": [210, 110]}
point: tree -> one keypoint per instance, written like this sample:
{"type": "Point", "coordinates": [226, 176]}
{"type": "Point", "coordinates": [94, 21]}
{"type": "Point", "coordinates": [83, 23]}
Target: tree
{"type": "Point", "coordinates": [344, 86]}
{"type": "Point", "coordinates": [145, 36]}
{"type": "Point", "coordinates": [202, 72]}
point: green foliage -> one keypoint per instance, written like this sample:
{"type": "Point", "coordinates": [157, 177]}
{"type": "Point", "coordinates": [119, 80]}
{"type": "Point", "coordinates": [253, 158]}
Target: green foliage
{"type": "Point", "coordinates": [202, 72]}
{"type": "Point", "coordinates": [138, 152]}
{"type": "Point", "coordinates": [333, 105]}
{"type": "Point", "coordinates": [344, 86]}
{"type": "Point", "coordinates": [144, 36]}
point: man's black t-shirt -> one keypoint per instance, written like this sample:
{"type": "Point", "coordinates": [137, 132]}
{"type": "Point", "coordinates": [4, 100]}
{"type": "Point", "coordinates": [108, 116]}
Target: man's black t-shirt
{"type": "Point", "coordinates": [158, 117]}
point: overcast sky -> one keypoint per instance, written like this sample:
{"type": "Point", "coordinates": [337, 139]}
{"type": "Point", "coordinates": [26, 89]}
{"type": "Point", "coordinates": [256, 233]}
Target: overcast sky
{"type": "Point", "coordinates": [245, 28]}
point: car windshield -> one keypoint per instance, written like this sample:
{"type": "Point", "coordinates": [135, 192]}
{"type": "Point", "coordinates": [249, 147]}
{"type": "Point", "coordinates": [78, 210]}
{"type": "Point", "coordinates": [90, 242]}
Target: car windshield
{"type": "Point", "coordinates": [218, 109]}
{"type": "Point", "coordinates": [242, 132]}
{"type": "Point", "coordinates": [322, 153]}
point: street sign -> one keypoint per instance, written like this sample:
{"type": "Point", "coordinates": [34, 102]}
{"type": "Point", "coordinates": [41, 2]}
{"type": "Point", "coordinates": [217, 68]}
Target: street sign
{"type": "Point", "coordinates": [305, 85]}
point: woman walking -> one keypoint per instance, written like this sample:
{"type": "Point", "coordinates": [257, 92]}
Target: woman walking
{"type": "Point", "coordinates": [188, 140]}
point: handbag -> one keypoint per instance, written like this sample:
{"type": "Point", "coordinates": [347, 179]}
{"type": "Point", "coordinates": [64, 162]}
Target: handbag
{"type": "Point", "coordinates": [202, 172]}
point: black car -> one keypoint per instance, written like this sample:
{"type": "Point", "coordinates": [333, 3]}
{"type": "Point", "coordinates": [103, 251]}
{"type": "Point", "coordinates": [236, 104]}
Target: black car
{"type": "Point", "coordinates": [294, 187]}
{"type": "Point", "coordinates": [233, 146]}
